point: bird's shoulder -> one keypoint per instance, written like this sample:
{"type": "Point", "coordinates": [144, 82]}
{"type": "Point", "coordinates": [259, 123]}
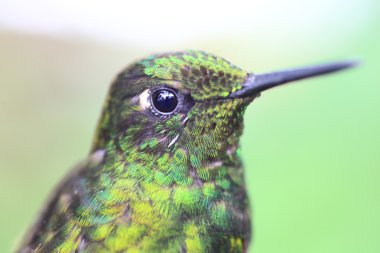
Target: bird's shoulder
{"type": "Point", "coordinates": [76, 209]}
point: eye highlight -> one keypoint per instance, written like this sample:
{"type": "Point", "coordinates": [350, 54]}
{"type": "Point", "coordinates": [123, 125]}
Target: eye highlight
{"type": "Point", "coordinates": [165, 100]}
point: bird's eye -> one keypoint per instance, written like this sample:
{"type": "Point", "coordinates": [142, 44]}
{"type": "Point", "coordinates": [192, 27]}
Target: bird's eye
{"type": "Point", "coordinates": [165, 101]}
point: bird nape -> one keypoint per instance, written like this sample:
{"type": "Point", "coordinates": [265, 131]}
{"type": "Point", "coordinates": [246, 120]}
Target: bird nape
{"type": "Point", "coordinates": [164, 173]}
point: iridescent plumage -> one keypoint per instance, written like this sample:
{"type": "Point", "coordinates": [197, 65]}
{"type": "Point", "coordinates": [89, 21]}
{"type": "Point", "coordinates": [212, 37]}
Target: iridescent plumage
{"type": "Point", "coordinates": [160, 182]}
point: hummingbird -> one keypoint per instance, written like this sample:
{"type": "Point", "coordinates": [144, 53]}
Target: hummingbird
{"type": "Point", "coordinates": [164, 173]}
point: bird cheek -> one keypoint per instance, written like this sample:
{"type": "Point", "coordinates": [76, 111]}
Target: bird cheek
{"type": "Point", "coordinates": [143, 100]}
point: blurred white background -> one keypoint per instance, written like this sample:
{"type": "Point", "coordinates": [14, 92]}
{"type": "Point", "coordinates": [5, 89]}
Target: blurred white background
{"type": "Point", "coordinates": [169, 22]}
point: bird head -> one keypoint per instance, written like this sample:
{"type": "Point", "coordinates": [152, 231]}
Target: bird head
{"type": "Point", "coordinates": [192, 100]}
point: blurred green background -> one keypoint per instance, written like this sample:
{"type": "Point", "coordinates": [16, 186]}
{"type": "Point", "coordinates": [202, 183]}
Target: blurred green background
{"type": "Point", "coordinates": [311, 149]}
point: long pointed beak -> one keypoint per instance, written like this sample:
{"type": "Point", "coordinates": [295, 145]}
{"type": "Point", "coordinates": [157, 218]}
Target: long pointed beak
{"type": "Point", "coordinates": [257, 83]}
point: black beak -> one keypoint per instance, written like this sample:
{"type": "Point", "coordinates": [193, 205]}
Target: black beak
{"type": "Point", "coordinates": [257, 83]}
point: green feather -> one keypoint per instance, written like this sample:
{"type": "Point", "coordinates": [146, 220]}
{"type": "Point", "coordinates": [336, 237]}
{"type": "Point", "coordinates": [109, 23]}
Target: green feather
{"type": "Point", "coordinates": [158, 183]}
